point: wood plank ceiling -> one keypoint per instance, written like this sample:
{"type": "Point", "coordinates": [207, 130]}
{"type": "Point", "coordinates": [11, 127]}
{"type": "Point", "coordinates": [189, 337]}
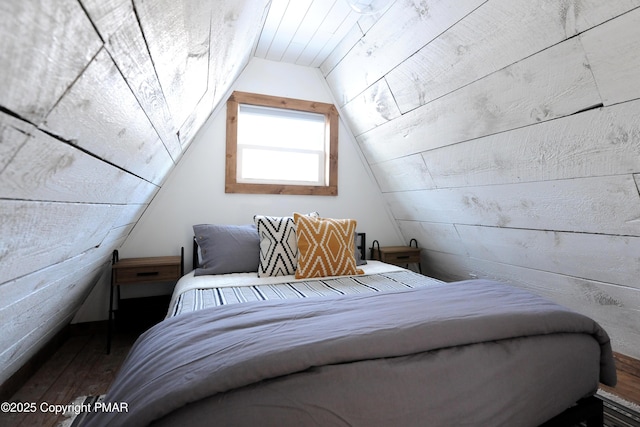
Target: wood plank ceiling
{"type": "Point", "coordinates": [304, 32]}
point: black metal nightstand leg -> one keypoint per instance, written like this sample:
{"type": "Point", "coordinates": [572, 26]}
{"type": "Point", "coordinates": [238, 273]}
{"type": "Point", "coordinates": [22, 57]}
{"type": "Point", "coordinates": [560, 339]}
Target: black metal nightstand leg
{"type": "Point", "coordinates": [114, 258]}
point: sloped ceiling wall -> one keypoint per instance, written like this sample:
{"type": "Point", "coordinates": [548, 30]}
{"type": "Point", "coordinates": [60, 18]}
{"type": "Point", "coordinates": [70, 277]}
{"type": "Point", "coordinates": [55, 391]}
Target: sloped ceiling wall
{"type": "Point", "coordinates": [477, 118]}
{"type": "Point", "coordinates": [505, 135]}
{"type": "Point", "coordinates": [98, 99]}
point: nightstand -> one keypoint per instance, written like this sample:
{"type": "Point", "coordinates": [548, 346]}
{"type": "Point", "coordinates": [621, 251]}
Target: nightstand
{"type": "Point", "coordinates": [397, 255]}
{"type": "Point", "coordinates": [129, 271]}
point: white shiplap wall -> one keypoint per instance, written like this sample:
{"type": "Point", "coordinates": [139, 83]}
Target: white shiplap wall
{"type": "Point", "coordinates": [505, 135]}
{"type": "Point", "coordinates": [98, 100]}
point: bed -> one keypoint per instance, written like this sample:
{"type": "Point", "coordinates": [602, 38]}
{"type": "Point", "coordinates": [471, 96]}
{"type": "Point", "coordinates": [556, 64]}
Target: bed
{"type": "Point", "coordinates": [382, 346]}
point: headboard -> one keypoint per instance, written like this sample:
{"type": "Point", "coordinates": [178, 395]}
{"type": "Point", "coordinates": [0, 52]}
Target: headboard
{"type": "Point", "coordinates": [195, 253]}
{"type": "Point", "coordinates": [361, 245]}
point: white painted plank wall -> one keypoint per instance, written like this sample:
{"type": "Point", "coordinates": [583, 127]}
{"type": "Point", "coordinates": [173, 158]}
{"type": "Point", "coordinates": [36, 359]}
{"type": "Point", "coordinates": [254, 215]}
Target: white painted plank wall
{"type": "Point", "coordinates": [508, 144]}
{"type": "Point", "coordinates": [552, 84]}
{"type": "Point", "coordinates": [406, 27]}
{"type": "Point", "coordinates": [117, 24]}
{"type": "Point", "coordinates": [600, 142]}
{"type": "Point", "coordinates": [233, 33]}
{"type": "Point", "coordinates": [109, 124]}
{"type": "Point", "coordinates": [37, 317]}
{"type": "Point", "coordinates": [582, 205]}
{"type": "Point", "coordinates": [177, 35]}
{"type": "Point", "coordinates": [57, 171]}
{"type": "Point", "coordinates": [98, 100]}
{"type": "Point", "coordinates": [612, 50]}
{"type": "Point", "coordinates": [496, 35]}
{"type": "Point", "coordinates": [42, 41]}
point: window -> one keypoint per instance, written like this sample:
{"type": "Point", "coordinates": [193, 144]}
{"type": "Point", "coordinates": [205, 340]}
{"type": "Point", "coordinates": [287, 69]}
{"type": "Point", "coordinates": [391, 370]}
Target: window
{"type": "Point", "coordinates": [281, 146]}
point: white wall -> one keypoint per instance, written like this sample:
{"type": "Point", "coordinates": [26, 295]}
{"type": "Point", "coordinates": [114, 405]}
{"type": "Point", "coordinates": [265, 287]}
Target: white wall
{"type": "Point", "coordinates": [194, 191]}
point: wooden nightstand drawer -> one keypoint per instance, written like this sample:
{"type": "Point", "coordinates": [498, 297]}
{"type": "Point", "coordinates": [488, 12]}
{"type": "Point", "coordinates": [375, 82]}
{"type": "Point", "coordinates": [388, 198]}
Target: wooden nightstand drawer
{"type": "Point", "coordinates": [398, 255]}
{"type": "Point", "coordinates": [142, 270]}
{"type": "Point", "coordinates": [401, 258]}
{"type": "Point", "coordinates": [152, 273]}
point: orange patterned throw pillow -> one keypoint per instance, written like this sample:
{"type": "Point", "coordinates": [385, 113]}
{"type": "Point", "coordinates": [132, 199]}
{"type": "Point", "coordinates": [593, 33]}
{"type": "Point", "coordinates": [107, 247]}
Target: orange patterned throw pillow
{"type": "Point", "coordinates": [325, 247]}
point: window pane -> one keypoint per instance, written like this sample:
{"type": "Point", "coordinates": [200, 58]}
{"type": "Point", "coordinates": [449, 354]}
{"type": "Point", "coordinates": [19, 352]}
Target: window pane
{"type": "Point", "coordinates": [278, 166]}
{"type": "Point", "coordinates": [275, 127]}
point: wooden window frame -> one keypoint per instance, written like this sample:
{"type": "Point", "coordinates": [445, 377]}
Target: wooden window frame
{"type": "Point", "coordinates": [331, 121]}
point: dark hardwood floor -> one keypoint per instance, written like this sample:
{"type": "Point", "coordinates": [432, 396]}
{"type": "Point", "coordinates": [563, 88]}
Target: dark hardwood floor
{"type": "Point", "coordinates": [80, 367]}
{"type": "Point", "coordinates": [628, 387]}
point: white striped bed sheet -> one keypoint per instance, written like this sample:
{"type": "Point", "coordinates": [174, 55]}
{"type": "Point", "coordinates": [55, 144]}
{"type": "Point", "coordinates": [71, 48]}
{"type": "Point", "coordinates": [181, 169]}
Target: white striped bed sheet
{"type": "Point", "coordinates": [195, 298]}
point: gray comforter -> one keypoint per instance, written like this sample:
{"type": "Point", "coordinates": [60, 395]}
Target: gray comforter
{"type": "Point", "coordinates": [187, 358]}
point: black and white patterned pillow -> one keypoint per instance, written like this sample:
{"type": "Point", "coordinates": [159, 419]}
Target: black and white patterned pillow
{"type": "Point", "coordinates": [278, 245]}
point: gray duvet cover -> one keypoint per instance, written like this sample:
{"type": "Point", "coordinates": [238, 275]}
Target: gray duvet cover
{"type": "Point", "coordinates": [443, 355]}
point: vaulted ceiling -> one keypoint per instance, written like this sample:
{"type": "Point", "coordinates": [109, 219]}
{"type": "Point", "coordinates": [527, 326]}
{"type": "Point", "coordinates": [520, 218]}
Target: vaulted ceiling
{"type": "Point", "coordinates": [491, 127]}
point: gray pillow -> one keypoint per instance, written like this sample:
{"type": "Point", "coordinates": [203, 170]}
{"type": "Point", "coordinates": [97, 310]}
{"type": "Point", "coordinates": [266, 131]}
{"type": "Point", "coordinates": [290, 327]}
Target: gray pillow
{"type": "Point", "coordinates": [227, 248]}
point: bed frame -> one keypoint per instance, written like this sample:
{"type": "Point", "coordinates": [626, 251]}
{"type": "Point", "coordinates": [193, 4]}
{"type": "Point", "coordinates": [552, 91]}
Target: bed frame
{"type": "Point", "coordinates": [589, 411]}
